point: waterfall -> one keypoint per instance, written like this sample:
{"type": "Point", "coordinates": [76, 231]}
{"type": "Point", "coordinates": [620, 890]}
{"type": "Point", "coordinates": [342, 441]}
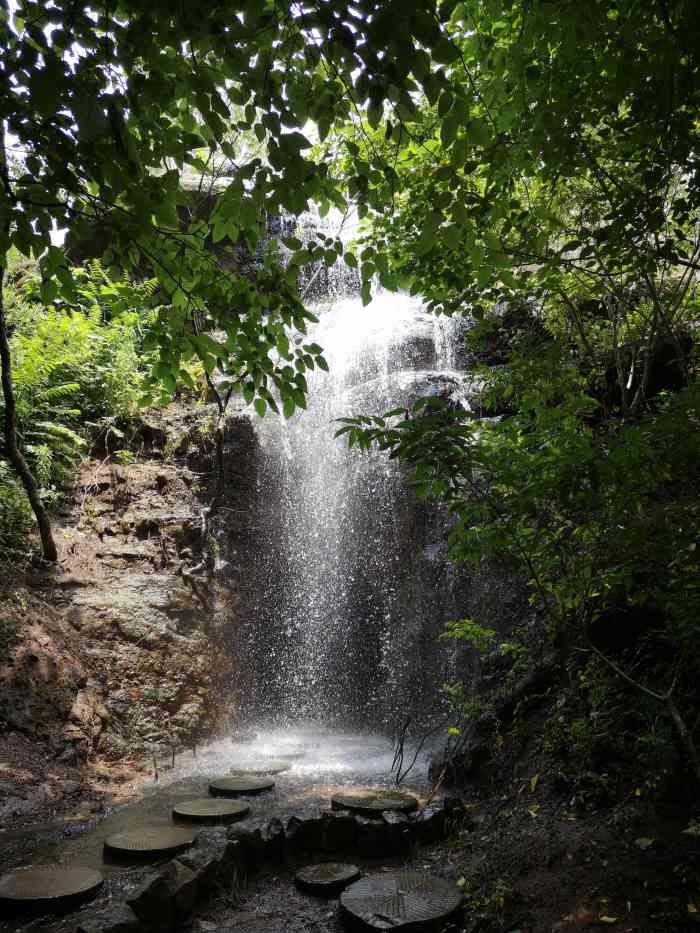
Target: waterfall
{"type": "Point", "coordinates": [351, 584]}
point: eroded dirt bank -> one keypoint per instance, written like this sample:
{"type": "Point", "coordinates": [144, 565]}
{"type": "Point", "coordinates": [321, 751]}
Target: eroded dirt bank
{"type": "Point", "coordinates": [119, 651]}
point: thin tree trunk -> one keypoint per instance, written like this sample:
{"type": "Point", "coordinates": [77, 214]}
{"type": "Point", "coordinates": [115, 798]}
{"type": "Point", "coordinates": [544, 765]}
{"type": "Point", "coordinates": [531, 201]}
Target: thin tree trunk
{"type": "Point", "coordinates": [12, 450]}
{"type": "Point", "coordinates": [14, 454]}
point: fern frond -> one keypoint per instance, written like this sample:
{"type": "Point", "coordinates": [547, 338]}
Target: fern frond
{"type": "Point", "coordinates": [49, 429]}
{"type": "Point", "coordinates": [57, 393]}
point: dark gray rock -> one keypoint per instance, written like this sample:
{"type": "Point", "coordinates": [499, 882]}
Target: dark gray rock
{"type": "Point", "coordinates": [272, 833]}
{"type": "Point", "coordinates": [115, 918]}
{"type": "Point", "coordinates": [398, 831]}
{"type": "Point", "coordinates": [183, 885]}
{"type": "Point", "coordinates": [209, 858]}
{"type": "Point", "coordinates": [154, 905]}
{"type": "Point", "coordinates": [165, 898]}
{"type": "Point", "coordinates": [372, 836]}
{"type": "Point", "coordinates": [430, 823]}
{"type": "Point", "coordinates": [339, 830]}
{"type": "Point", "coordinates": [450, 804]}
{"type": "Point", "coordinates": [248, 850]}
{"type": "Point", "coordinates": [206, 864]}
{"type": "Point", "coordinates": [305, 831]}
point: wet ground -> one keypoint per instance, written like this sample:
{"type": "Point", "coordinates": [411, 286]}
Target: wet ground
{"type": "Point", "coordinates": [331, 762]}
{"type": "Point", "coordinates": [271, 902]}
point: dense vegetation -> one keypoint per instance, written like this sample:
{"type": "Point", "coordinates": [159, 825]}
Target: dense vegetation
{"type": "Point", "coordinates": [78, 375]}
{"type": "Point", "coordinates": [531, 165]}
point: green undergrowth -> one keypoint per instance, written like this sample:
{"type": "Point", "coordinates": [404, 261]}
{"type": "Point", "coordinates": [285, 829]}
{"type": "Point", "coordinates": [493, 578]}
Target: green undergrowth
{"type": "Point", "coordinates": [78, 373]}
{"type": "Point", "coordinates": [597, 510]}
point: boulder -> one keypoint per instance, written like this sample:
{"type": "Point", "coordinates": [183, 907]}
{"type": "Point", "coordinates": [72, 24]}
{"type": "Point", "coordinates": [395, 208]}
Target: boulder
{"type": "Point", "coordinates": [165, 898]}
{"type": "Point", "coordinates": [429, 824]}
{"type": "Point", "coordinates": [339, 830]}
{"type": "Point", "coordinates": [305, 831]}
{"type": "Point", "coordinates": [398, 830]}
{"type": "Point", "coordinates": [206, 865]}
{"type": "Point", "coordinates": [183, 884]}
{"type": "Point", "coordinates": [153, 904]}
{"type": "Point", "coordinates": [115, 918]}
{"type": "Point", "coordinates": [372, 836]}
{"type": "Point", "coordinates": [249, 846]}
{"type": "Point", "coordinates": [272, 833]}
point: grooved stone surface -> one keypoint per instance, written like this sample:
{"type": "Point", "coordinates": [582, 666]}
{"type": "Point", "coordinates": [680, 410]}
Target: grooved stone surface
{"type": "Point", "coordinates": [373, 802]}
{"type": "Point", "coordinates": [47, 886]}
{"type": "Point", "coordinates": [211, 808]}
{"type": "Point", "coordinates": [151, 840]}
{"type": "Point", "coordinates": [237, 786]}
{"type": "Point", "coordinates": [327, 878]}
{"type": "Point", "coordinates": [403, 900]}
{"type": "Point", "coordinates": [261, 766]}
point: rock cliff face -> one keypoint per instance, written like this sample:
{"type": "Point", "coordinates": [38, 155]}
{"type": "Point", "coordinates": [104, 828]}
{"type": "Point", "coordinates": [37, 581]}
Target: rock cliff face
{"type": "Point", "coordinates": [122, 647]}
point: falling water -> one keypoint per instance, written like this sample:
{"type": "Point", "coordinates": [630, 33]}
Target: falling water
{"type": "Point", "coordinates": [352, 584]}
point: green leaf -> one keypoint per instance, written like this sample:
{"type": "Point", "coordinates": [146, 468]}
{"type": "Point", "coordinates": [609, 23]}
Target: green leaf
{"type": "Point", "coordinates": [448, 130]}
{"type": "Point", "coordinates": [478, 132]}
{"type": "Point", "coordinates": [260, 406]}
{"type": "Point", "coordinates": [426, 241]}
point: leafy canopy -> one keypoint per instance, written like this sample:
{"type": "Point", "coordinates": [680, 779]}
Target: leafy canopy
{"type": "Point", "coordinates": [107, 106]}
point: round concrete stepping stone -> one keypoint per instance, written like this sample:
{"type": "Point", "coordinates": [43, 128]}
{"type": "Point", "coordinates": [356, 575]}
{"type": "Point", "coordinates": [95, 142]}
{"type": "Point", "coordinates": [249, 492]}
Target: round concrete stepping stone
{"type": "Point", "coordinates": [289, 754]}
{"type": "Point", "coordinates": [403, 900]}
{"type": "Point", "coordinates": [47, 887]}
{"type": "Point", "coordinates": [260, 766]}
{"type": "Point", "coordinates": [239, 786]}
{"type": "Point", "coordinates": [150, 840]}
{"type": "Point", "coordinates": [211, 808]}
{"type": "Point", "coordinates": [326, 879]}
{"type": "Point", "coordinates": [372, 802]}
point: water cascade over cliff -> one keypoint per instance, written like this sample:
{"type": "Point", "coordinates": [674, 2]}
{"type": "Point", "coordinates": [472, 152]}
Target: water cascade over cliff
{"type": "Point", "coordinates": [352, 583]}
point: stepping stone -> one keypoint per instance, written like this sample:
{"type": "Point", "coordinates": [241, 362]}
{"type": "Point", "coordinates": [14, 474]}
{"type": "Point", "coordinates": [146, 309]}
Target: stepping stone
{"type": "Point", "coordinates": [239, 786]}
{"type": "Point", "coordinates": [208, 808]}
{"type": "Point", "coordinates": [47, 888]}
{"type": "Point", "coordinates": [261, 766]}
{"type": "Point", "coordinates": [149, 841]}
{"type": "Point", "coordinates": [372, 802]}
{"type": "Point", "coordinates": [289, 754]}
{"type": "Point", "coordinates": [403, 900]}
{"type": "Point", "coordinates": [326, 879]}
